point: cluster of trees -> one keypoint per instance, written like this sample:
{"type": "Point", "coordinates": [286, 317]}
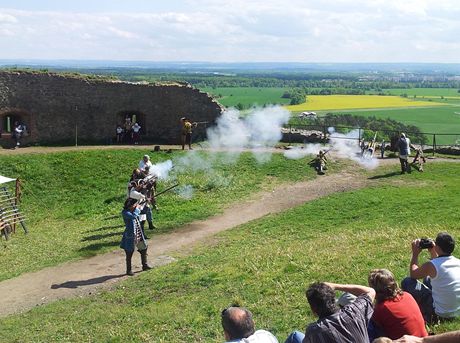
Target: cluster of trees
{"type": "Point", "coordinates": [297, 95]}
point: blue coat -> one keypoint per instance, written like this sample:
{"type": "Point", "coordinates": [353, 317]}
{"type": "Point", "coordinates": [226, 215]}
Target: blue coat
{"type": "Point", "coordinates": [127, 242]}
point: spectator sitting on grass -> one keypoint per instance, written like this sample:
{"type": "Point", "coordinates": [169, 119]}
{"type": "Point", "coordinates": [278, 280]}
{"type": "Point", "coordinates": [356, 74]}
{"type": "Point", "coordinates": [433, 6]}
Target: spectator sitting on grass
{"type": "Point", "coordinates": [396, 313]}
{"type": "Point", "coordinates": [238, 327]}
{"type": "Point", "coordinates": [347, 324]}
{"type": "Point", "coordinates": [439, 295]}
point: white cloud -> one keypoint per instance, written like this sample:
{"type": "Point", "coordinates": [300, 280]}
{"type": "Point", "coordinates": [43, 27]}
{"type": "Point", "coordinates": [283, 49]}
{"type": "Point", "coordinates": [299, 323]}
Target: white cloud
{"type": "Point", "coordinates": [241, 30]}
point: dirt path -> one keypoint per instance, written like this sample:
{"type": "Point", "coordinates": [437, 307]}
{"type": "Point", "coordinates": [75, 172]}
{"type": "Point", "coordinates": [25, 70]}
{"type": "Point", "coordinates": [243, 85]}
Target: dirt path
{"type": "Point", "coordinates": [90, 275]}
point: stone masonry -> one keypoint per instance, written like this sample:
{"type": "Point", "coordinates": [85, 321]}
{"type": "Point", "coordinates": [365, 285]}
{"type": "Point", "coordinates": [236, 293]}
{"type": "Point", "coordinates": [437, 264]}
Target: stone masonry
{"type": "Point", "coordinates": [57, 108]}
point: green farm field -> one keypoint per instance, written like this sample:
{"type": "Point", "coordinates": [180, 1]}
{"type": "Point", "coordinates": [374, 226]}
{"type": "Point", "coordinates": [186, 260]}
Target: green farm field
{"type": "Point", "coordinates": [431, 119]}
{"type": "Point", "coordinates": [439, 120]}
{"type": "Point", "coordinates": [264, 265]}
{"type": "Point", "coordinates": [247, 96]}
{"type": "Point", "coordinates": [423, 92]}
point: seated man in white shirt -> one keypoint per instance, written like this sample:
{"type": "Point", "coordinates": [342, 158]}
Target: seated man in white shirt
{"type": "Point", "coordinates": [239, 327]}
{"type": "Point", "coordinates": [439, 294]}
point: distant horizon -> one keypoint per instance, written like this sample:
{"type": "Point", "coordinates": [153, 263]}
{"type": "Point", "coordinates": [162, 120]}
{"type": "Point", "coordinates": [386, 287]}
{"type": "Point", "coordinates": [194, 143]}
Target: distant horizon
{"type": "Point", "coordinates": [264, 31]}
{"type": "Point", "coordinates": [226, 67]}
{"type": "Point", "coordinates": [4, 60]}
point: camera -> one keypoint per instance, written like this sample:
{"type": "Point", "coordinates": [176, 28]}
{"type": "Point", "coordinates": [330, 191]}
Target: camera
{"type": "Point", "coordinates": [426, 243]}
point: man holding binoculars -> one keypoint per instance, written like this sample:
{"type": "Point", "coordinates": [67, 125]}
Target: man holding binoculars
{"type": "Point", "coordinates": [439, 295]}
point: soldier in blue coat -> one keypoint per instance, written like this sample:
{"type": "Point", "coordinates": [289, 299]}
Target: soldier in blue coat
{"type": "Point", "coordinates": [133, 236]}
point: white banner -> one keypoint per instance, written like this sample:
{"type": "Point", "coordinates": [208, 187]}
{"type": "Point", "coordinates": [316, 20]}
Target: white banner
{"type": "Point", "coordinates": [4, 179]}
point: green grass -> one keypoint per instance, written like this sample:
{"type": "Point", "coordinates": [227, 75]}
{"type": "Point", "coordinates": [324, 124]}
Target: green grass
{"type": "Point", "coordinates": [73, 200]}
{"type": "Point", "coordinates": [247, 96]}
{"type": "Point", "coordinates": [264, 265]}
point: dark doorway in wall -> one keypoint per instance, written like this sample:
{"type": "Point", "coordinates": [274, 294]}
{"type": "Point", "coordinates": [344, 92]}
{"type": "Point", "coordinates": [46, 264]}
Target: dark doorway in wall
{"type": "Point", "coordinates": [8, 118]}
{"type": "Point", "coordinates": [127, 119]}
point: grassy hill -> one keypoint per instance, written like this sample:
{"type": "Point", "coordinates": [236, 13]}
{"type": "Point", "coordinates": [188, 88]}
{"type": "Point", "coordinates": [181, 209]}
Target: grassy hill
{"type": "Point", "coordinates": [264, 265]}
{"type": "Point", "coordinates": [73, 200]}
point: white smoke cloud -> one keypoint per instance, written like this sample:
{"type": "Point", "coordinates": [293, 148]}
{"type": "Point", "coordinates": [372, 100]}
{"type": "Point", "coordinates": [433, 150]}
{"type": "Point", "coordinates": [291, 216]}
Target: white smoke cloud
{"type": "Point", "coordinates": [162, 170]}
{"type": "Point", "coordinates": [185, 191]}
{"type": "Point", "coordinates": [342, 145]}
{"type": "Point", "coordinates": [297, 153]}
{"type": "Point", "coordinates": [259, 129]}
{"type": "Point", "coordinates": [346, 146]}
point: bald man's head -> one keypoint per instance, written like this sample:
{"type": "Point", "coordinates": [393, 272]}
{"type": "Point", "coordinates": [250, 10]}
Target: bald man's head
{"type": "Point", "coordinates": [237, 323]}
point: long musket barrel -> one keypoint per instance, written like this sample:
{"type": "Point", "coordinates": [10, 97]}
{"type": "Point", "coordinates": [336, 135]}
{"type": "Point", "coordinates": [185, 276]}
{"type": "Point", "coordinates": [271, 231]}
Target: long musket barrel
{"type": "Point", "coordinates": [167, 189]}
{"type": "Point", "coordinates": [323, 155]}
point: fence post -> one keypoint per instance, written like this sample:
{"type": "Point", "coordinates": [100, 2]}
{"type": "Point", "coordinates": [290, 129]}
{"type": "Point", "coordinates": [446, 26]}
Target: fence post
{"type": "Point", "coordinates": [434, 143]}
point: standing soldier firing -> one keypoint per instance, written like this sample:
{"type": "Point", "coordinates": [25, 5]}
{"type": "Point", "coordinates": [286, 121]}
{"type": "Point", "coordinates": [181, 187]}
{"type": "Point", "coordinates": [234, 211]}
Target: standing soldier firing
{"type": "Point", "coordinates": [186, 135]}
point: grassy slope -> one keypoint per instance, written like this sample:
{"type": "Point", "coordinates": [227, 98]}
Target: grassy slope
{"type": "Point", "coordinates": [264, 265]}
{"type": "Point", "coordinates": [73, 200]}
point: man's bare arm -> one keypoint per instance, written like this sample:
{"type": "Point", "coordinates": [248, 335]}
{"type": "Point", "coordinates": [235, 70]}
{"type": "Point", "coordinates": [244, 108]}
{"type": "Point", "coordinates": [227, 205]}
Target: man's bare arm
{"type": "Point", "coordinates": [448, 337]}
{"type": "Point", "coordinates": [353, 289]}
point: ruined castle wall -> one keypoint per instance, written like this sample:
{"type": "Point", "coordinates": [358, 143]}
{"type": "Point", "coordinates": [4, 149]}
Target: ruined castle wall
{"type": "Point", "coordinates": [55, 107]}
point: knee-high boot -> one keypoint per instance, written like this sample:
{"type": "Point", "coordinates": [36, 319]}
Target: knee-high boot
{"type": "Point", "coordinates": [129, 255]}
{"type": "Point", "coordinates": [145, 265]}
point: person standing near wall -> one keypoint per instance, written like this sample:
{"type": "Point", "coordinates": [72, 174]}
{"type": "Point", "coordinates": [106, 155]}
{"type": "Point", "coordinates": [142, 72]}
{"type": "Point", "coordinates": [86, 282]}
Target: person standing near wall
{"type": "Point", "coordinates": [136, 133]}
{"type": "Point", "coordinates": [17, 134]}
{"type": "Point", "coordinates": [119, 132]}
{"type": "Point", "coordinates": [186, 134]}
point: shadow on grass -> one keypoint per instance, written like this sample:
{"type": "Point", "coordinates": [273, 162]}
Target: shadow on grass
{"type": "Point", "coordinates": [108, 227]}
{"type": "Point", "coordinates": [117, 198]}
{"type": "Point", "coordinates": [102, 235]}
{"type": "Point", "coordinates": [376, 177]}
{"type": "Point", "coordinates": [80, 283]}
{"type": "Point", "coordinates": [98, 246]}
{"type": "Point", "coordinates": [113, 216]}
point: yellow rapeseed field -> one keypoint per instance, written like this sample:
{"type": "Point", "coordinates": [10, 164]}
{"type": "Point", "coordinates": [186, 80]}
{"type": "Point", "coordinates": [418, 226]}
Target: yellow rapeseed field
{"type": "Point", "coordinates": [339, 102]}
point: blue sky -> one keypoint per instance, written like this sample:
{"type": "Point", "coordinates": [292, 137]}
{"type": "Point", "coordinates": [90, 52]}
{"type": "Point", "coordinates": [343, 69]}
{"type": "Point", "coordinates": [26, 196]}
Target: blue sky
{"type": "Point", "coordinates": [232, 31]}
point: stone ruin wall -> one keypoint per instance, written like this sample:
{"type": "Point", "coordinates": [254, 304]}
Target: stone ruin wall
{"type": "Point", "coordinates": [54, 107]}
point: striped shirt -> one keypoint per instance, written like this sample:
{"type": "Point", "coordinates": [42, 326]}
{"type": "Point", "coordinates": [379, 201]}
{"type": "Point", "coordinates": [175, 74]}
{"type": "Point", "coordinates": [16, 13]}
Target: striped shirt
{"type": "Point", "coordinates": [348, 325]}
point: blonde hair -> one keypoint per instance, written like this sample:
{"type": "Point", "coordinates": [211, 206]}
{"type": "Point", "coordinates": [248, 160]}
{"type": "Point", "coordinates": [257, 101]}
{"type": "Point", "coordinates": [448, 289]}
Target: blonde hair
{"type": "Point", "coordinates": [383, 281]}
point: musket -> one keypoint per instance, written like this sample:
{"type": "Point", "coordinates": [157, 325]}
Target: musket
{"type": "Point", "coordinates": [323, 155]}
{"type": "Point", "coordinates": [167, 189]}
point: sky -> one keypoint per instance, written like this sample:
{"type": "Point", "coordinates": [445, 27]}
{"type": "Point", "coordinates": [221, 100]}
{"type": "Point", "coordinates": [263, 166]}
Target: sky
{"type": "Point", "coordinates": [310, 31]}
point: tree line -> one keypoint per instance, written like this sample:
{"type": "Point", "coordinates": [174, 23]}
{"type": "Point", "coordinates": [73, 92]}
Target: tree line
{"type": "Point", "coordinates": [387, 128]}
